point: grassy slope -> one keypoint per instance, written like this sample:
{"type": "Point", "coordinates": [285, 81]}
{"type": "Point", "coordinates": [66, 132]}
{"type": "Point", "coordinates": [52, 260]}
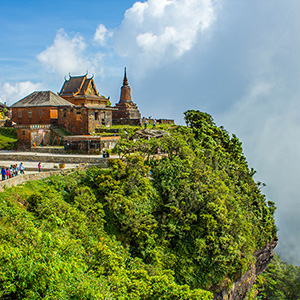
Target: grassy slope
{"type": "Point", "coordinates": [8, 138]}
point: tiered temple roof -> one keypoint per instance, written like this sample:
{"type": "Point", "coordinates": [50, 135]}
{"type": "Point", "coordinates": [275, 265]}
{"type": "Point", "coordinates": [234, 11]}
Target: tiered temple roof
{"type": "Point", "coordinates": [81, 90]}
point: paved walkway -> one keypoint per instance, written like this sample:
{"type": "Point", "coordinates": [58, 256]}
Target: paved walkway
{"type": "Point", "coordinates": [50, 164]}
{"type": "Point", "coordinates": [8, 158]}
{"type": "Point", "coordinates": [29, 176]}
{"type": "Point", "coordinates": [32, 167]}
{"type": "Point", "coordinates": [25, 153]}
{"type": "Point", "coordinates": [50, 160]}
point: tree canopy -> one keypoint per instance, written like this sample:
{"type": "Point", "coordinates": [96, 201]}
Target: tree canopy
{"type": "Point", "coordinates": [169, 226]}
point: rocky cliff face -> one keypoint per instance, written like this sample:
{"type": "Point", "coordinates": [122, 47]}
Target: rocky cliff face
{"type": "Point", "coordinates": [240, 288]}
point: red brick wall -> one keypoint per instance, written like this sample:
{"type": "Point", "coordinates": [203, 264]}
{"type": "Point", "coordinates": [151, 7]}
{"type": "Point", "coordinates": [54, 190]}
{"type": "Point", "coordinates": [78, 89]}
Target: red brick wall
{"type": "Point", "coordinates": [82, 120]}
{"type": "Point", "coordinates": [126, 112]}
{"type": "Point", "coordinates": [77, 120]}
{"type": "Point", "coordinates": [74, 119]}
{"type": "Point", "coordinates": [103, 118]}
{"type": "Point", "coordinates": [125, 94]}
{"type": "Point", "coordinates": [39, 115]}
{"type": "Point", "coordinates": [24, 139]}
{"type": "Point", "coordinates": [27, 136]}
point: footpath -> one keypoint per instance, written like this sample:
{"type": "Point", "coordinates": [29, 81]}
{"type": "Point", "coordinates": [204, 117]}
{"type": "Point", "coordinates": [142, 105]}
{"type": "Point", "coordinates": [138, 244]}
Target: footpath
{"type": "Point", "coordinates": [52, 163]}
{"type": "Point", "coordinates": [58, 158]}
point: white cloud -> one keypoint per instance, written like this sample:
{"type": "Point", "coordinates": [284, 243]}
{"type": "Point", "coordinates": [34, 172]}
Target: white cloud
{"type": "Point", "coordinates": [268, 125]}
{"type": "Point", "coordinates": [66, 55]}
{"type": "Point", "coordinates": [151, 34]}
{"type": "Point", "coordinates": [102, 34]}
{"type": "Point", "coordinates": [158, 31]}
{"type": "Point", "coordinates": [11, 93]}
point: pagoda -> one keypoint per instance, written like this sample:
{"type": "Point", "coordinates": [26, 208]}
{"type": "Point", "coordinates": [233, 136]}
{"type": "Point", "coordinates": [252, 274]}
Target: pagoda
{"type": "Point", "coordinates": [126, 112]}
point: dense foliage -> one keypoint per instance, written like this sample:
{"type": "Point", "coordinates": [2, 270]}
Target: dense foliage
{"type": "Point", "coordinates": [150, 227]}
{"type": "Point", "coordinates": [54, 244]}
{"type": "Point", "coordinates": [280, 281]}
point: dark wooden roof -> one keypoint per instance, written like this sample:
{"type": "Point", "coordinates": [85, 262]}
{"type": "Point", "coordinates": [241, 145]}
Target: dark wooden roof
{"type": "Point", "coordinates": [77, 85]}
{"type": "Point", "coordinates": [2, 105]}
{"type": "Point", "coordinates": [85, 86]}
{"type": "Point", "coordinates": [44, 98]}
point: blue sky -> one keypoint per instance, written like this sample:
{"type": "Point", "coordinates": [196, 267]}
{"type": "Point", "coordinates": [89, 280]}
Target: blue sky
{"type": "Point", "coordinates": [28, 27]}
{"type": "Point", "coordinates": [237, 60]}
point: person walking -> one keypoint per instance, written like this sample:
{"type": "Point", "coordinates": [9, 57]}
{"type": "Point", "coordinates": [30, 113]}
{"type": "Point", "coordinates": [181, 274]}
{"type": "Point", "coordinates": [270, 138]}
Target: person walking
{"type": "Point", "coordinates": [39, 166]}
{"type": "Point", "coordinates": [22, 168]}
{"type": "Point", "coordinates": [3, 173]}
{"type": "Point", "coordinates": [13, 170]}
{"type": "Point", "coordinates": [10, 172]}
{"type": "Point", "coordinates": [154, 123]}
{"type": "Point", "coordinates": [17, 169]}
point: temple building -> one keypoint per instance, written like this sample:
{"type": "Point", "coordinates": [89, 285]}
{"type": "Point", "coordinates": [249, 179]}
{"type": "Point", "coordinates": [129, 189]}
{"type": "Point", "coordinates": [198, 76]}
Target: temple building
{"type": "Point", "coordinates": [126, 112]}
{"type": "Point", "coordinates": [81, 91]}
{"type": "Point", "coordinates": [34, 115]}
{"type": "Point", "coordinates": [78, 108]}
{"type": "Point", "coordinates": [39, 108]}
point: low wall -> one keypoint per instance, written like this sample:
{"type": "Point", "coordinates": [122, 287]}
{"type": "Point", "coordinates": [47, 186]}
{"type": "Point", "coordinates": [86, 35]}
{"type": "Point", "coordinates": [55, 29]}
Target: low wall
{"type": "Point", "coordinates": [165, 121]}
{"type": "Point", "coordinates": [102, 162]}
{"type": "Point", "coordinates": [60, 150]}
{"type": "Point", "coordinates": [131, 122]}
{"type": "Point", "coordinates": [108, 130]}
{"type": "Point", "coordinates": [27, 177]}
{"type": "Point", "coordinates": [36, 176]}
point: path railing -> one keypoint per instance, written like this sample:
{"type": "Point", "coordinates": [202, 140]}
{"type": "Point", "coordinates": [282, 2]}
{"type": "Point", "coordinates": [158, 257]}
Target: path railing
{"type": "Point", "coordinates": [22, 178]}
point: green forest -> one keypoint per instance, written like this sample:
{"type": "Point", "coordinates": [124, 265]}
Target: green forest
{"type": "Point", "coordinates": [179, 225]}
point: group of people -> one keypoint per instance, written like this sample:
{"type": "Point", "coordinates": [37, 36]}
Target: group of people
{"type": "Point", "coordinates": [12, 171]}
{"type": "Point", "coordinates": [105, 154]}
{"type": "Point", "coordinates": [146, 121]}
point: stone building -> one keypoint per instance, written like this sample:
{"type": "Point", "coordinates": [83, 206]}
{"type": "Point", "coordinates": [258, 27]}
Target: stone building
{"type": "Point", "coordinates": [126, 112]}
{"type": "Point", "coordinates": [30, 135]}
{"type": "Point", "coordinates": [90, 144]}
{"type": "Point", "coordinates": [34, 116]}
{"type": "Point", "coordinates": [39, 108]}
{"type": "Point", "coordinates": [78, 108]}
{"type": "Point", "coordinates": [91, 109]}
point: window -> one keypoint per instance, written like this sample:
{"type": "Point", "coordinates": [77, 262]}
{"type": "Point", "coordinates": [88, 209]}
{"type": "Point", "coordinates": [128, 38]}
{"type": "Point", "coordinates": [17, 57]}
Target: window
{"type": "Point", "coordinates": [20, 114]}
{"type": "Point", "coordinates": [29, 114]}
{"type": "Point", "coordinates": [53, 113]}
{"type": "Point", "coordinates": [41, 113]}
{"type": "Point", "coordinates": [78, 115]}
{"type": "Point", "coordinates": [96, 115]}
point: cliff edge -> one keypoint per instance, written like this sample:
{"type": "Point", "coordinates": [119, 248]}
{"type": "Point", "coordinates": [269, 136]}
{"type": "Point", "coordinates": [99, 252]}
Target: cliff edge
{"type": "Point", "coordinates": [242, 287]}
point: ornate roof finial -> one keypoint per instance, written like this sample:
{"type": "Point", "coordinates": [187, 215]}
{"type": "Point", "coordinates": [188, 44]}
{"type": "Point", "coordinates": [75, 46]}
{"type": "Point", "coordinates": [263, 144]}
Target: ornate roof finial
{"type": "Point", "coordinates": [125, 81]}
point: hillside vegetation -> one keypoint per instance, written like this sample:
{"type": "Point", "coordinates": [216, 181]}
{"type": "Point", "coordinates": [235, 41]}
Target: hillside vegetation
{"type": "Point", "coordinates": [146, 228]}
{"type": "Point", "coordinates": [8, 138]}
{"type": "Point", "coordinates": [280, 281]}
